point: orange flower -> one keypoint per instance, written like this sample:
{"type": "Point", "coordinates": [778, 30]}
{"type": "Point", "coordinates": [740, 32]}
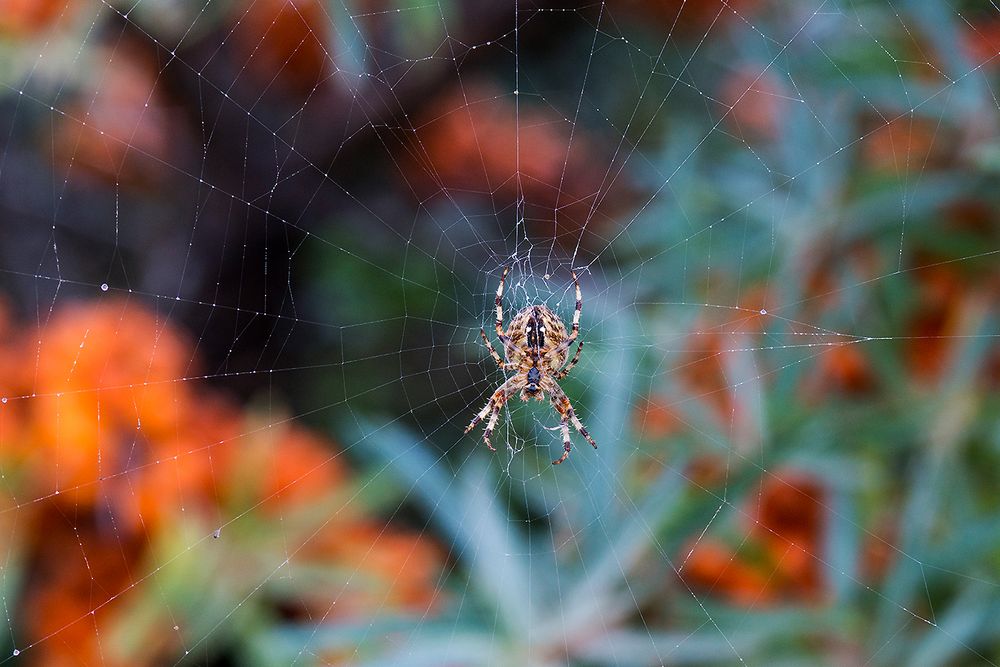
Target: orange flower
{"type": "Point", "coordinates": [929, 348]}
{"type": "Point", "coordinates": [77, 571]}
{"type": "Point", "coordinates": [116, 427]}
{"type": "Point", "coordinates": [758, 102]}
{"type": "Point", "coordinates": [824, 267]}
{"type": "Point", "coordinates": [20, 18]}
{"type": "Point", "coordinates": [713, 567]}
{"type": "Point", "coordinates": [164, 477]}
{"type": "Point", "coordinates": [303, 468]}
{"type": "Point", "coordinates": [713, 345]}
{"type": "Point", "coordinates": [785, 537]}
{"type": "Point", "coordinates": [905, 144]}
{"type": "Point", "coordinates": [283, 42]}
{"type": "Point", "coordinates": [841, 369]}
{"type": "Point", "coordinates": [693, 17]}
{"type": "Point", "coordinates": [107, 381]}
{"type": "Point", "coordinates": [121, 131]}
{"type": "Point", "coordinates": [703, 371]}
{"type": "Point", "coordinates": [789, 524]}
{"type": "Point", "coordinates": [991, 369]}
{"type": "Point", "coordinates": [284, 469]}
{"type": "Point", "coordinates": [476, 140]}
{"type": "Point", "coordinates": [12, 407]}
{"type": "Point", "coordinates": [981, 42]}
{"type": "Point", "coordinates": [653, 419]}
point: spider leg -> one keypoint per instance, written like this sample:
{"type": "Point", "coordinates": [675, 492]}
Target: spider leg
{"type": "Point", "coordinates": [508, 347]}
{"type": "Point", "coordinates": [575, 331]}
{"type": "Point", "coordinates": [576, 312]}
{"type": "Point", "coordinates": [576, 357]}
{"type": "Point", "coordinates": [499, 301]}
{"type": "Point", "coordinates": [566, 344]}
{"type": "Point", "coordinates": [565, 409]}
{"type": "Point", "coordinates": [509, 388]}
{"type": "Point", "coordinates": [491, 423]}
{"type": "Point", "coordinates": [493, 353]}
{"type": "Point", "coordinates": [490, 405]}
{"type": "Point", "coordinates": [564, 427]}
{"type": "Point", "coordinates": [492, 408]}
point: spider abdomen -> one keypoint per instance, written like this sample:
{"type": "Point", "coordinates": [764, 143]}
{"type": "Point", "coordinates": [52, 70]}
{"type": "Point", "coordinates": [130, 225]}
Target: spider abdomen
{"type": "Point", "coordinates": [536, 334]}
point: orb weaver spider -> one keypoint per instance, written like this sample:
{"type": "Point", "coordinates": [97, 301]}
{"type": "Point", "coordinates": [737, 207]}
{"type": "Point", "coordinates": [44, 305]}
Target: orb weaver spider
{"type": "Point", "coordinates": [536, 347]}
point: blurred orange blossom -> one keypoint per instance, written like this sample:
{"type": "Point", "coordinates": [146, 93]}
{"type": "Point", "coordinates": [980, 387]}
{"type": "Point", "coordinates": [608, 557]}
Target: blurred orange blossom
{"type": "Point", "coordinates": [109, 443]}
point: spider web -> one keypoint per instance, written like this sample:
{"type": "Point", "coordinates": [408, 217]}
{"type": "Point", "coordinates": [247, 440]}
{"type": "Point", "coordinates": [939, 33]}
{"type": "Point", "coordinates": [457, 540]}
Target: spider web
{"type": "Point", "coordinates": [251, 246]}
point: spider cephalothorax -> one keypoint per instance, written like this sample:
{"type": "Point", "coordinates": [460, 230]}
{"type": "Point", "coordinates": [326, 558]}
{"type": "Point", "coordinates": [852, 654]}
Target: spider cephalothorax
{"type": "Point", "coordinates": [536, 347]}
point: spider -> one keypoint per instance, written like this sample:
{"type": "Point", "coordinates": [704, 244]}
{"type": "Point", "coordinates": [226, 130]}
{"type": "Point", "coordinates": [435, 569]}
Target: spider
{"type": "Point", "coordinates": [536, 347]}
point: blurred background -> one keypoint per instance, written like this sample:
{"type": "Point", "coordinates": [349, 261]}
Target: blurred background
{"type": "Point", "coordinates": [247, 248]}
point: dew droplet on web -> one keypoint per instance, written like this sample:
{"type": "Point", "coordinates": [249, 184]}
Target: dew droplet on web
{"type": "Point", "coordinates": [547, 276]}
{"type": "Point", "coordinates": [763, 311]}
{"type": "Point", "coordinates": [104, 287]}
{"type": "Point", "coordinates": [17, 652]}
{"type": "Point", "coordinates": [3, 400]}
{"type": "Point", "coordinates": [216, 533]}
